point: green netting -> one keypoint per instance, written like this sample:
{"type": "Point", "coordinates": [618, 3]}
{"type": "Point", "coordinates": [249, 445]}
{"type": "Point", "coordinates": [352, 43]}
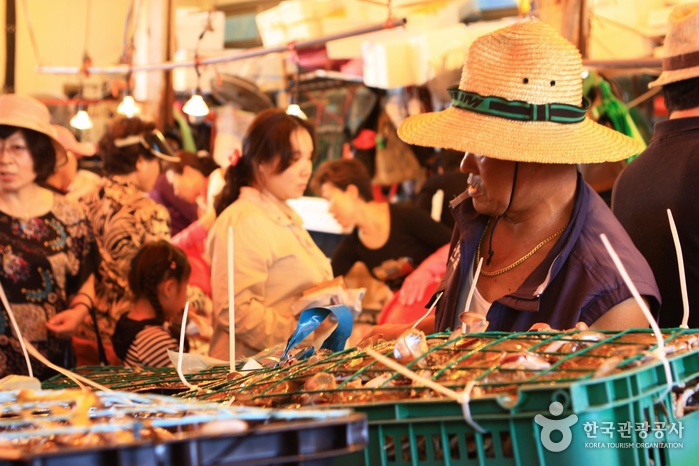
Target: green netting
{"type": "Point", "coordinates": [492, 359]}
{"type": "Point", "coordinates": [136, 379]}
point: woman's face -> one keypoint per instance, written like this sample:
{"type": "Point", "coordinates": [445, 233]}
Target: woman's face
{"type": "Point", "coordinates": [16, 164]}
{"type": "Point", "coordinates": [292, 182]}
{"type": "Point", "coordinates": [341, 203]}
{"type": "Point", "coordinates": [147, 171]}
{"type": "Point", "coordinates": [187, 185]}
{"type": "Point", "coordinates": [489, 182]}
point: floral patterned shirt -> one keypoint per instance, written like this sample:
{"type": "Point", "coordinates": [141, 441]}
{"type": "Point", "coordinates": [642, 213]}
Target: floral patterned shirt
{"type": "Point", "coordinates": [45, 260]}
{"type": "Point", "coordinates": [123, 218]}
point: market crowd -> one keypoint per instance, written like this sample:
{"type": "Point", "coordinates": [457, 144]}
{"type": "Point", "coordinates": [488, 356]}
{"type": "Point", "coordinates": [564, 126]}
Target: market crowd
{"type": "Point", "coordinates": [97, 269]}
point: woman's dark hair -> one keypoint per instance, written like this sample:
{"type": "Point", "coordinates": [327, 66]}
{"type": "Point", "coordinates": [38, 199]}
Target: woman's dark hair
{"type": "Point", "coordinates": [267, 139]}
{"type": "Point", "coordinates": [154, 263]}
{"type": "Point", "coordinates": [201, 161]}
{"type": "Point", "coordinates": [122, 160]}
{"type": "Point", "coordinates": [681, 95]}
{"type": "Point", "coordinates": [342, 173]}
{"type": "Point", "coordinates": [40, 148]}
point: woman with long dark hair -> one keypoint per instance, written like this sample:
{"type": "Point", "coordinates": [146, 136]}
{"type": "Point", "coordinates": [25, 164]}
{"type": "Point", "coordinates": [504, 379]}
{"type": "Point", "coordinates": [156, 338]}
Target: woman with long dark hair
{"type": "Point", "coordinates": [275, 259]}
{"type": "Point", "coordinates": [123, 218]}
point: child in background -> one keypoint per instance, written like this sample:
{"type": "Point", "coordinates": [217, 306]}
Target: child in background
{"type": "Point", "coordinates": [158, 284]}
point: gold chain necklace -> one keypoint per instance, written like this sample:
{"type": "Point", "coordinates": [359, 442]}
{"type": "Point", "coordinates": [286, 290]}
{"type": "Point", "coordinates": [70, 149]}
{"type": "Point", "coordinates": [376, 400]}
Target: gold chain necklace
{"type": "Point", "coordinates": [518, 261]}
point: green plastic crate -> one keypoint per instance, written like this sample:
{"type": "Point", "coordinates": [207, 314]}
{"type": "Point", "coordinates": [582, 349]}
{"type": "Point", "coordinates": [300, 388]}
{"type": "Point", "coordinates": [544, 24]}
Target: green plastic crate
{"type": "Point", "coordinates": [432, 433]}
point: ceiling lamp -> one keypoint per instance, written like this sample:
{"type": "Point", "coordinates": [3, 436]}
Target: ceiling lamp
{"type": "Point", "coordinates": [196, 106]}
{"type": "Point", "coordinates": [294, 93]}
{"type": "Point", "coordinates": [128, 106]}
{"type": "Point", "coordinates": [81, 120]}
{"type": "Point", "coordinates": [295, 110]}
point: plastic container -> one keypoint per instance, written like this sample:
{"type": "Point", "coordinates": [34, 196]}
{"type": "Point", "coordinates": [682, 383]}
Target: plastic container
{"type": "Point", "coordinates": [426, 433]}
{"type": "Point", "coordinates": [433, 431]}
{"type": "Point", "coordinates": [127, 429]}
{"type": "Point", "coordinates": [296, 442]}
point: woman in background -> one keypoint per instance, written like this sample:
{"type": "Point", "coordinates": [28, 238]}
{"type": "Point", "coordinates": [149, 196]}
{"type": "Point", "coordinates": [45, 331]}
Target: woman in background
{"type": "Point", "coordinates": [390, 239]}
{"type": "Point", "coordinates": [190, 182]}
{"type": "Point", "coordinates": [45, 242]}
{"type": "Point", "coordinates": [275, 259]}
{"type": "Point", "coordinates": [64, 174]}
{"type": "Point", "coordinates": [123, 219]}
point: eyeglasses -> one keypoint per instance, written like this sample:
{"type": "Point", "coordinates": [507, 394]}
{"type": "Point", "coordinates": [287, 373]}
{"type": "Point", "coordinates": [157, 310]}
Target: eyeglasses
{"type": "Point", "coordinates": [14, 150]}
{"type": "Point", "coordinates": [17, 150]}
{"type": "Point", "coordinates": [153, 141]}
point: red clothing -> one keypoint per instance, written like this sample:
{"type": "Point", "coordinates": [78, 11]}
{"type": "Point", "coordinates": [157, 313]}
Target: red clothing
{"type": "Point", "coordinates": [192, 241]}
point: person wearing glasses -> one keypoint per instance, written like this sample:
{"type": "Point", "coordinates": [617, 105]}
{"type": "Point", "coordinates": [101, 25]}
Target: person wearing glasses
{"type": "Point", "coordinates": [123, 218]}
{"type": "Point", "coordinates": [64, 174]}
{"type": "Point", "coordinates": [45, 243]}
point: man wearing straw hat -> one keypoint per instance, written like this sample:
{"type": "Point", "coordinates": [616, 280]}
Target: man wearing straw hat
{"type": "Point", "coordinates": [665, 175]}
{"type": "Point", "coordinates": [518, 114]}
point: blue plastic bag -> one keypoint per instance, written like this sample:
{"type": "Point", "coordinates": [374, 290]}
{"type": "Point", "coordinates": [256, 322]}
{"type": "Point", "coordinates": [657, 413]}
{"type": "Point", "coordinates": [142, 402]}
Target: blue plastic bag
{"type": "Point", "coordinates": [310, 319]}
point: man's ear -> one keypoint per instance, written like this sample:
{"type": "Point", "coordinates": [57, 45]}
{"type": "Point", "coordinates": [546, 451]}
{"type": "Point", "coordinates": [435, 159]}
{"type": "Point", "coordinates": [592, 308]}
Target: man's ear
{"type": "Point", "coordinates": [353, 191]}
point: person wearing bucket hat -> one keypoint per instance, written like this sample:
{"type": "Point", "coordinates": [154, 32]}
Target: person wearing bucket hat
{"type": "Point", "coordinates": [123, 218]}
{"type": "Point", "coordinates": [64, 173]}
{"type": "Point", "coordinates": [45, 242]}
{"type": "Point", "coordinates": [518, 115]}
{"type": "Point", "coordinates": [664, 176]}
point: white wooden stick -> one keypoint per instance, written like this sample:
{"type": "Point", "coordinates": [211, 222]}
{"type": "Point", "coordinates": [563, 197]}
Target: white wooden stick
{"type": "Point", "coordinates": [183, 332]}
{"type": "Point", "coordinates": [680, 265]}
{"type": "Point", "coordinates": [471, 291]}
{"type": "Point", "coordinates": [18, 333]}
{"type": "Point", "coordinates": [68, 373]}
{"type": "Point", "coordinates": [424, 316]}
{"type": "Point", "coordinates": [462, 398]}
{"type": "Point", "coordinates": [231, 301]}
{"type": "Point", "coordinates": [659, 353]}
{"type": "Point", "coordinates": [28, 348]}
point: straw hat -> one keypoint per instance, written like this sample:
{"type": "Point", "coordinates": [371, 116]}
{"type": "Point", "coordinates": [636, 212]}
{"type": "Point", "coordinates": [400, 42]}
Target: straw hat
{"type": "Point", "coordinates": [66, 138]}
{"type": "Point", "coordinates": [23, 111]}
{"type": "Point", "coordinates": [681, 49]}
{"type": "Point", "coordinates": [521, 99]}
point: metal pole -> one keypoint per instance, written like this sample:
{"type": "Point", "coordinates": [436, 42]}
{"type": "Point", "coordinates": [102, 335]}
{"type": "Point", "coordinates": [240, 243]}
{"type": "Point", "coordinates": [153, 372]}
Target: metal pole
{"type": "Point", "coordinates": [255, 52]}
{"type": "Point", "coordinates": [10, 46]}
{"type": "Point", "coordinates": [582, 28]}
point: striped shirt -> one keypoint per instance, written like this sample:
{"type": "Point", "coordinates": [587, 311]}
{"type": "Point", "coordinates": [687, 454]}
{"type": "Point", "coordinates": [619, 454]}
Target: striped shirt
{"type": "Point", "coordinates": [149, 348]}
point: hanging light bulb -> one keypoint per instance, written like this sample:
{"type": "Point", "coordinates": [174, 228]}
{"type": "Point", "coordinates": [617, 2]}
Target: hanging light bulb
{"type": "Point", "coordinates": [128, 106]}
{"type": "Point", "coordinates": [295, 110]}
{"type": "Point", "coordinates": [81, 120]}
{"type": "Point", "coordinates": [196, 106]}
